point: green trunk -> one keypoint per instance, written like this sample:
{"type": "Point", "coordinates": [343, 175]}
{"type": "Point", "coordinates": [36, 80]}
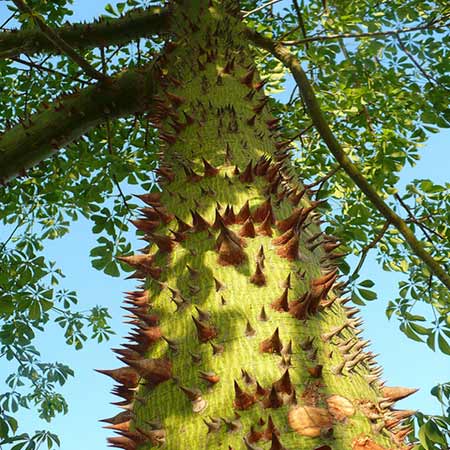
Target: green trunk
{"type": "Point", "coordinates": [241, 339]}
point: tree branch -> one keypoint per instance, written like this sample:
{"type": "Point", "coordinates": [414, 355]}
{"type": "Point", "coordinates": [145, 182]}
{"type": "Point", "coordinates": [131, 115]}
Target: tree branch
{"type": "Point", "coordinates": [259, 8]}
{"type": "Point", "coordinates": [366, 250]}
{"type": "Point", "coordinates": [365, 110]}
{"type": "Point", "coordinates": [330, 37]}
{"type": "Point", "coordinates": [138, 23]}
{"type": "Point", "coordinates": [42, 68]}
{"type": "Point", "coordinates": [109, 140]}
{"type": "Point", "coordinates": [69, 117]}
{"type": "Point", "coordinates": [429, 77]}
{"type": "Point", "coordinates": [414, 219]}
{"type": "Point", "coordinates": [322, 126]}
{"type": "Point", "coordinates": [58, 42]}
{"type": "Point", "coordinates": [301, 22]}
{"type": "Point", "coordinates": [320, 182]}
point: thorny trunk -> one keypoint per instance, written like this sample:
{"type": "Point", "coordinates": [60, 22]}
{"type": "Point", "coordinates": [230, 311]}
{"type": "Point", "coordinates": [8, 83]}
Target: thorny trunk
{"type": "Point", "coordinates": [241, 338]}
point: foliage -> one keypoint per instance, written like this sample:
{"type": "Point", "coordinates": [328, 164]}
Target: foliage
{"type": "Point", "coordinates": [434, 431]}
{"type": "Point", "coordinates": [383, 95]}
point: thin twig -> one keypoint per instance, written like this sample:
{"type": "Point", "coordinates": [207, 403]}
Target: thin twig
{"type": "Point", "coordinates": [43, 68]}
{"type": "Point", "coordinates": [426, 227]}
{"type": "Point", "coordinates": [288, 33]}
{"type": "Point", "coordinates": [272, 2]}
{"type": "Point", "coordinates": [291, 97]}
{"type": "Point", "coordinates": [413, 218]}
{"type": "Point", "coordinates": [358, 84]}
{"type": "Point", "coordinates": [109, 139]}
{"type": "Point", "coordinates": [366, 250]}
{"type": "Point", "coordinates": [301, 133]}
{"type": "Point", "coordinates": [58, 42]}
{"type": "Point", "coordinates": [324, 179]}
{"type": "Point", "coordinates": [138, 48]}
{"type": "Point", "coordinates": [108, 60]}
{"type": "Point", "coordinates": [301, 22]}
{"type": "Point", "coordinates": [19, 224]}
{"type": "Point", "coordinates": [330, 37]}
{"type": "Point", "coordinates": [24, 367]}
{"type": "Point", "coordinates": [27, 94]}
{"type": "Point", "coordinates": [3, 25]}
{"type": "Point", "coordinates": [147, 130]}
{"type": "Point", "coordinates": [429, 77]}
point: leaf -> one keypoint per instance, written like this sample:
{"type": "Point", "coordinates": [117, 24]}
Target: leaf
{"type": "Point", "coordinates": [444, 346]}
{"type": "Point", "coordinates": [433, 433]}
{"type": "Point", "coordinates": [3, 429]}
{"type": "Point", "coordinates": [419, 328]}
{"type": "Point", "coordinates": [391, 307]}
{"type": "Point", "coordinates": [406, 328]}
{"type": "Point", "coordinates": [110, 9]}
{"type": "Point", "coordinates": [112, 269]}
{"type": "Point", "coordinates": [34, 311]}
{"type": "Point", "coordinates": [6, 305]}
{"type": "Point", "coordinates": [367, 283]}
{"type": "Point", "coordinates": [19, 446]}
{"type": "Point", "coordinates": [367, 294]}
{"type": "Point", "coordinates": [431, 341]}
{"type": "Point", "coordinates": [12, 422]}
{"type": "Point", "coordinates": [357, 300]}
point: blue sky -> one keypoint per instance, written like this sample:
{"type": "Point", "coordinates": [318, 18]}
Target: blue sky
{"type": "Point", "coordinates": [405, 363]}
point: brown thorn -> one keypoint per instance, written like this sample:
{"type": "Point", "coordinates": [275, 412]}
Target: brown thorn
{"type": "Point", "coordinates": [281, 304]}
{"type": "Point", "coordinates": [258, 278]}
{"type": "Point", "coordinates": [242, 399]}
{"type": "Point", "coordinates": [263, 315]}
{"type": "Point", "coordinates": [272, 344]}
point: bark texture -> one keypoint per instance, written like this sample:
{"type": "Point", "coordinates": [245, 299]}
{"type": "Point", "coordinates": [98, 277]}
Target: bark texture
{"type": "Point", "coordinates": [137, 24]}
{"type": "Point", "coordinates": [71, 116]}
{"type": "Point", "coordinates": [241, 337]}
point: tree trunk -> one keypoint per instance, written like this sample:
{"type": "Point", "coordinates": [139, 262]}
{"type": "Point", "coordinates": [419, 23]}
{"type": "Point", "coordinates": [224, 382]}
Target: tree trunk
{"type": "Point", "coordinates": [241, 337]}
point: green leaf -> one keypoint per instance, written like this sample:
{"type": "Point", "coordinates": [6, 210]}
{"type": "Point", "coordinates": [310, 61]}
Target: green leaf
{"type": "Point", "coordinates": [12, 422]}
{"type": "Point", "coordinates": [112, 269]}
{"type": "Point", "coordinates": [19, 446]}
{"type": "Point", "coordinates": [357, 300]}
{"type": "Point", "coordinates": [6, 306]}
{"type": "Point", "coordinates": [367, 283]}
{"type": "Point", "coordinates": [433, 433]}
{"type": "Point", "coordinates": [34, 311]}
{"type": "Point", "coordinates": [3, 429]}
{"type": "Point", "coordinates": [367, 294]}
{"type": "Point", "coordinates": [444, 346]}
{"type": "Point", "coordinates": [419, 328]}
{"type": "Point", "coordinates": [110, 9]}
{"type": "Point", "coordinates": [406, 328]}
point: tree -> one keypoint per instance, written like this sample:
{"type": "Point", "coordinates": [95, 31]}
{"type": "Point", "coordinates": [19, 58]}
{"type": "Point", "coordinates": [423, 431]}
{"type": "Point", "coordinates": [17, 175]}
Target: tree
{"type": "Point", "coordinates": [243, 335]}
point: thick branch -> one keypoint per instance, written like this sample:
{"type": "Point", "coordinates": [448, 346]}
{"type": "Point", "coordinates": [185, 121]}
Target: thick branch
{"type": "Point", "coordinates": [71, 116]}
{"type": "Point", "coordinates": [59, 43]}
{"type": "Point", "coordinates": [322, 126]}
{"type": "Point", "coordinates": [137, 24]}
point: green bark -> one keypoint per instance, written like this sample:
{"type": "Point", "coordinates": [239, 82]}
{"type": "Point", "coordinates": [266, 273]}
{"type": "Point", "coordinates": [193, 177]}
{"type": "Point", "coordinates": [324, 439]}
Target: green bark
{"type": "Point", "coordinates": [71, 116]}
{"type": "Point", "coordinates": [236, 347]}
{"type": "Point", "coordinates": [137, 24]}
